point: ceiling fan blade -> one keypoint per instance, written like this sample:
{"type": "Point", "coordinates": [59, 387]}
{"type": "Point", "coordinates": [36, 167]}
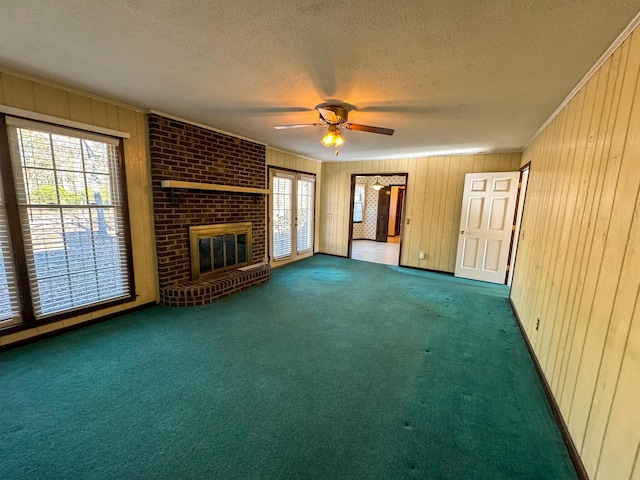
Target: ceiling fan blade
{"type": "Point", "coordinates": [328, 115]}
{"type": "Point", "coordinates": [368, 128]}
{"type": "Point", "coordinates": [298, 125]}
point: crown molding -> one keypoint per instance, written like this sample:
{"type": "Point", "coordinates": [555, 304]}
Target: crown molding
{"type": "Point", "coordinates": [202, 125]}
{"type": "Point", "coordinates": [76, 91]}
{"type": "Point", "coordinates": [605, 56]}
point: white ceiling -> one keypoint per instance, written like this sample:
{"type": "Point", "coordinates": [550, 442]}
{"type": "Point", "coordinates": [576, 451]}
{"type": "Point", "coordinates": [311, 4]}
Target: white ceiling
{"type": "Point", "coordinates": [447, 75]}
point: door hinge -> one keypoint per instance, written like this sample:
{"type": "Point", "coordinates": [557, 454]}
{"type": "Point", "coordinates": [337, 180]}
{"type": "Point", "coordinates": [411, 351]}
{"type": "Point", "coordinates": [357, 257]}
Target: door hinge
{"type": "Point", "coordinates": [508, 267]}
{"type": "Point", "coordinates": [513, 228]}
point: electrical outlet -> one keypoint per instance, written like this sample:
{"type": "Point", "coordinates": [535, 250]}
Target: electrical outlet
{"type": "Point", "coordinates": [408, 221]}
{"type": "Point", "coordinates": [329, 216]}
{"type": "Point", "coordinates": [421, 255]}
{"type": "Point", "coordinates": [537, 323]}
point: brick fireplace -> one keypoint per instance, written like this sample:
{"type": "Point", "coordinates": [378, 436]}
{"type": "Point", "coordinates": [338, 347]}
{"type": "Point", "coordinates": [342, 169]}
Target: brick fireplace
{"type": "Point", "coordinates": [182, 152]}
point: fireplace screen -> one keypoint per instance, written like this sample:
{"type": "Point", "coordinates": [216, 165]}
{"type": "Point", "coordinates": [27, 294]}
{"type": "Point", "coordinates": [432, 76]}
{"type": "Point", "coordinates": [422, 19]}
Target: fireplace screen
{"type": "Point", "coordinates": [216, 248]}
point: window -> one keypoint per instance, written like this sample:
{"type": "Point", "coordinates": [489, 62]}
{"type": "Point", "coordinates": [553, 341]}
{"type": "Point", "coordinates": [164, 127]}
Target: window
{"type": "Point", "coordinates": [292, 214]}
{"type": "Point", "coordinates": [9, 307]}
{"type": "Point", "coordinates": [358, 203]}
{"type": "Point", "coordinates": [71, 218]}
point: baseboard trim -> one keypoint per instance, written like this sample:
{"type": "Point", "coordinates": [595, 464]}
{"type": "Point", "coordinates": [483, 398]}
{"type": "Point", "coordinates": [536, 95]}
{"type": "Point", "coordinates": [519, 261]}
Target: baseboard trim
{"type": "Point", "coordinates": [70, 328]}
{"type": "Point", "coordinates": [442, 272]}
{"type": "Point", "coordinates": [332, 255]}
{"type": "Point", "coordinates": [555, 408]}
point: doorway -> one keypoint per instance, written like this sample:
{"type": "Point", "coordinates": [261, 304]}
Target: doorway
{"type": "Point", "coordinates": [377, 208]}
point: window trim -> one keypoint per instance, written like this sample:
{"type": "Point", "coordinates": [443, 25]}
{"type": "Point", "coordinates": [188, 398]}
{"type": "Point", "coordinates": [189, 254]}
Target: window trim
{"type": "Point", "coordinates": [17, 243]}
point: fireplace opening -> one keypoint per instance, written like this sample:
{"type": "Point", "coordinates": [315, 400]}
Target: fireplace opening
{"type": "Point", "coordinates": [218, 248]}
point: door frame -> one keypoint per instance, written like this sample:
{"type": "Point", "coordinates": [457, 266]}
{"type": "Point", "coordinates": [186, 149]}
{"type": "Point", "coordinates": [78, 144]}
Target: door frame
{"type": "Point", "coordinates": [269, 234]}
{"type": "Point", "coordinates": [352, 195]}
{"type": "Point", "coordinates": [399, 213]}
{"type": "Point", "coordinates": [525, 171]}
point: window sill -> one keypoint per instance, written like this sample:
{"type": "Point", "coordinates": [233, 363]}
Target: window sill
{"type": "Point", "coordinates": [26, 325]}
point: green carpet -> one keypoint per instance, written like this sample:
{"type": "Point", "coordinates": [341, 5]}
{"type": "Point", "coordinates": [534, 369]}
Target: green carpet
{"type": "Point", "coordinates": [335, 369]}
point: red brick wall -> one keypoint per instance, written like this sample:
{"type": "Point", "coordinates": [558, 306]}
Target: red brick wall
{"type": "Point", "coordinates": [180, 151]}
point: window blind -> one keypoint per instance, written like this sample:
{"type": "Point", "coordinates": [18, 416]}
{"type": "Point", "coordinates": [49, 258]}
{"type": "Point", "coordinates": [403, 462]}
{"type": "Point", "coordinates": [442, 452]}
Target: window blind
{"type": "Point", "coordinates": [304, 233]}
{"type": "Point", "coordinates": [282, 216]}
{"type": "Point", "coordinates": [71, 209]}
{"type": "Point", "coordinates": [9, 306]}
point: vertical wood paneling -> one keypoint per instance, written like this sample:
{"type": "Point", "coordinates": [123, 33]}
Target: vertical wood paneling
{"type": "Point", "coordinates": [139, 199]}
{"type": "Point", "coordinates": [417, 217]}
{"type": "Point", "coordinates": [492, 163]}
{"type": "Point", "coordinates": [2, 101]}
{"type": "Point", "coordinates": [505, 162]}
{"type": "Point", "coordinates": [432, 204]}
{"type": "Point", "coordinates": [112, 116]}
{"type": "Point", "coordinates": [80, 108]}
{"type": "Point", "coordinates": [51, 101]}
{"type": "Point", "coordinates": [18, 92]}
{"type": "Point", "coordinates": [564, 219]}
{"type": "Point", "coordinates": [584, 202]}
{"type": "Point", "coordinates": [99, 112]}
{"type": "Point", "coordinates": [36, 97]}
{"type": "Point", "coordinates": [578, 263]}
{"type": "Point", "coordinates": [429, 205]}
{"type": "Point", "coordinates": [449, 239]}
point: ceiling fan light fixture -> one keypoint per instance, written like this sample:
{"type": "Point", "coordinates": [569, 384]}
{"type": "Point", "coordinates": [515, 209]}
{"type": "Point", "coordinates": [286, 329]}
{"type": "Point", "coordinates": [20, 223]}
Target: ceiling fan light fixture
{"type": "Point", "coordinates": [377, 186]}
{"type": "Point", "coordinates": [338, 138]}
{"type": "Point", "coordinates": [329, 139]}
{"type": "Point", "coordinates": [333, 138]}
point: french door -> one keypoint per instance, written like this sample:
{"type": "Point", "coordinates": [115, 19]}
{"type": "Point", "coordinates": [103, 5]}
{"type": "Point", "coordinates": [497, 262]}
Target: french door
{"type": "Point", "coordinates": [291, 218]}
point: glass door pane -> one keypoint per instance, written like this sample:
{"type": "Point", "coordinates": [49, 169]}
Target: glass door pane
{"type": "Point", "coordinates": [304, 233]}
{"type": "Point", "coordinates": [282, 217]}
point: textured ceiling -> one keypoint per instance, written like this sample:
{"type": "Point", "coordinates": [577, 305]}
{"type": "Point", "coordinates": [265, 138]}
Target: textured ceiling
{"type": "Point", "coordinates": [447, 75]}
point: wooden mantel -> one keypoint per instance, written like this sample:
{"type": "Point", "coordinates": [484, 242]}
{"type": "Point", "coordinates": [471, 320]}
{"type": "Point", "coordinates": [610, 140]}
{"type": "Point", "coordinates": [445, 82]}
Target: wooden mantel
{"type": "Point", "coordinates": [212, 186]}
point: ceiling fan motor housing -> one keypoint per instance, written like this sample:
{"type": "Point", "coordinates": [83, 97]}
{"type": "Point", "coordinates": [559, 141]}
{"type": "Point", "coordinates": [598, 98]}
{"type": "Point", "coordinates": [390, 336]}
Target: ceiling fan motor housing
{"type": "Point", "coordinates": [341, 114]}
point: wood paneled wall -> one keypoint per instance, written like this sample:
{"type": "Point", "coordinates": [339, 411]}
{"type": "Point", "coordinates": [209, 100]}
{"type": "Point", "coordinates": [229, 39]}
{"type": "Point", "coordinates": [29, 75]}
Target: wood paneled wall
{"type": "Point", "coordinates": [278, 158]}
{"type": "Point", "coordinates": [46, 99]}
{"type": "Point", "coordinates": [578, 265]}
{"type": "Point", "coordinates": [432, 204]}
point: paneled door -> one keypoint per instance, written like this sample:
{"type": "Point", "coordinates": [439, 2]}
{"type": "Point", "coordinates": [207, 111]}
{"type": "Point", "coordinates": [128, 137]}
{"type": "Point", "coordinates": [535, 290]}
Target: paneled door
{"type": "Point", "coordinates": [488, 206]}
{"type": "Point", "coordinates": [382, 226]}
{"type": "Point", "coordinates": [291, 218]}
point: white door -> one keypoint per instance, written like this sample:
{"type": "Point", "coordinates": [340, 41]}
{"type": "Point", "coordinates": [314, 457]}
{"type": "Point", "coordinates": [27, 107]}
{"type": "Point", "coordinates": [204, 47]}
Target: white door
{"type": "Point", "coordinates": [488, 205]}
{"type": "Point", "coordinates": [292, 215]}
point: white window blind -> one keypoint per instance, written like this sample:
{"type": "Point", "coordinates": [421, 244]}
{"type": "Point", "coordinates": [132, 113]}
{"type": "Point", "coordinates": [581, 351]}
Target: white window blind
{"type": "Point", "coordinates": [71, 208]}
{"type": "Point", "coordinates": [9, 306]}
{"type": "Point", "coordinates": [282, 216]}
{"type": "Point", "coordinates": [304, 233]}
{"type": "Point", "coordinates": [358, 203]}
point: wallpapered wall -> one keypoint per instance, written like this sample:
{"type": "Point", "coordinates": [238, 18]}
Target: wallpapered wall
{"type": "Point", "coordinates": [367, 229]}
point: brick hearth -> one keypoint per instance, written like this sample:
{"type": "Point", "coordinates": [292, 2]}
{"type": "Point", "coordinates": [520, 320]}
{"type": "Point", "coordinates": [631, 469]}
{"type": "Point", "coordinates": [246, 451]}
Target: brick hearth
{"type": "Point", "coordinates": [185, 152]}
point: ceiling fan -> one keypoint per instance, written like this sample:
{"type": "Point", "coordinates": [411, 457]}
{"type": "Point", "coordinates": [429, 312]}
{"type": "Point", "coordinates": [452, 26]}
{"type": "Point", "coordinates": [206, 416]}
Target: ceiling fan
{"type": "Point", "coordinates": [334, 117]}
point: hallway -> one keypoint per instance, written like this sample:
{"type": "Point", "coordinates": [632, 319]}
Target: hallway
{"type": "Point", "coordinates": [377, 252]}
